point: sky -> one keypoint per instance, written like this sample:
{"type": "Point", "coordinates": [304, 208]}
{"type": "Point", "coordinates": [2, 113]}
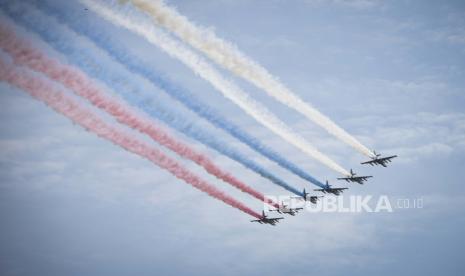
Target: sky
{"type": "Point", "coordinates": [392, 73]}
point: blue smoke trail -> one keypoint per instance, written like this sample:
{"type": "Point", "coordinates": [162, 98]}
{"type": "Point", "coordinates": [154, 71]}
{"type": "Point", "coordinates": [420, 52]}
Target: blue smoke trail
{"type": "Point", "coordinates": [138, 66]}
{"type": "Point", "coordinates": [87, 61]}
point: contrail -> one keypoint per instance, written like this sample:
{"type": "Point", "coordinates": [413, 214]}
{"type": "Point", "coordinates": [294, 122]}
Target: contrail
{"type": "Point", "coordinates": [86, 60]}
{"type": "Point", "coordinates": [228, 56]}
{"type": "Point", "coordinates": [127, 19]}
{"type": "Point", "coordinates": [76, 81]}
{"type": "Point", "coordinates": [44, 90]}
{"type": "Point", "coordinates": [139, 66]}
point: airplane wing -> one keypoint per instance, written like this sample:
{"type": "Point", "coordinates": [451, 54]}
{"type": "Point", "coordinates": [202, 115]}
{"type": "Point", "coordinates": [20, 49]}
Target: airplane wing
{"type": "Point", "coordinates": [355, 178]}
{"type": "Point", "coordinates": [371, 162]}
{"type": "Point", "coordinates": [388, 158]}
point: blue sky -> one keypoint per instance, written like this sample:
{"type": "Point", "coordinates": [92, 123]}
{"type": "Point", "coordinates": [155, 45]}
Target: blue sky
{"type": "Point", "coordinates": [390, 72]}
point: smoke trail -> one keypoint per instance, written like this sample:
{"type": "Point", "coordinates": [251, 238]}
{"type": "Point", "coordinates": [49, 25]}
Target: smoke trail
{"type": "Point", "coordinates": [120, 83]}
{"type": "Point", "coordinates": [46, 92]}
{"type": "Point", "coordinates": [139, 66]}
{"type": "Point", "coordinates": [128, 19]}
{"type": "Point", "coordinates": [232, 59]}
{"type": "Point", "coordinates": [82, 86]}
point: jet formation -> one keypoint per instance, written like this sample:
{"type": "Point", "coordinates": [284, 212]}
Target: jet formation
{"type": "Point", "coordinates": [326, 189]}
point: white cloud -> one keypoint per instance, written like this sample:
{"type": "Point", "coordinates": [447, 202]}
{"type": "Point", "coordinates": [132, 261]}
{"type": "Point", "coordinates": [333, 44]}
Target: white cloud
{"type": "Point", "coordinates": [357, 4]}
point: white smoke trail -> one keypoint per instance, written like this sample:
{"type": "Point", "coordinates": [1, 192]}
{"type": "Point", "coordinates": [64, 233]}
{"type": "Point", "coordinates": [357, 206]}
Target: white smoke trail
{"type": "Point", "coordinates": [135, 22]}
{"type": "Point", "coordinates": [228, 56]}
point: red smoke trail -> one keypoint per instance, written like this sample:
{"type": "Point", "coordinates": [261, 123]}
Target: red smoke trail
{"type": "Point", "coordinates": [78, 82]}
{"type": "Point", "coordinates": [48, 93]}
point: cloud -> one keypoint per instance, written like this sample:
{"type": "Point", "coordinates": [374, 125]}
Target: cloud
{"type": "Point", "coordinates": [356, 4]}
{"type": "Point", "coordinates": [60, 176]}
{"type": "Point", "coordinates": [416, 136]}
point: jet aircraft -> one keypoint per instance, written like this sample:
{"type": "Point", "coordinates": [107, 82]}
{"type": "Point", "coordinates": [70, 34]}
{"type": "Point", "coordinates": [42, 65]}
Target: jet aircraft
{"type": "Point", "coordinates": [283, 209]}
{"type": "Point", "coordinates": [328, 189]}
{"type": "Point", "coordinates": [378, 160]}
{"type": "Point", "coordinates": [265, 220]}
{"type": "Point", "coordinates": [354, 178]}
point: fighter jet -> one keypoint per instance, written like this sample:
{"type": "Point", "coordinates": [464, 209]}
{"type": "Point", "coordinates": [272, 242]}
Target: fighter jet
{"type": "Point", "coordinates": [283, 209]}
{"type": "Point", "coordinates": [328, 189]}
{"type": "Point", "coordinates": [354, 178]}
{"type": "Point", "coordinates": [265, 220]}
{"type": "Point", "coordinates": [378, 160]}
{"type": "Point", "coordinates": [307, 197]}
